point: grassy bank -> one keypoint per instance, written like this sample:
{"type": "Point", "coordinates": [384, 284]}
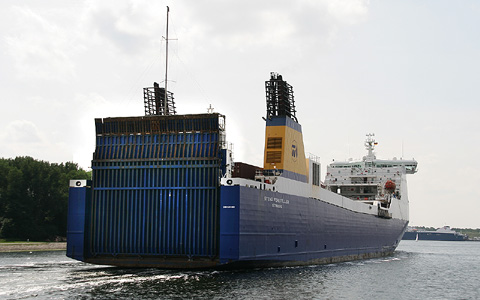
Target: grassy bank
{"type": "Point", "coordinates": [19, 246]}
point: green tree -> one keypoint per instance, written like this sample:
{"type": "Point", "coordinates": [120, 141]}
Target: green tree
{"type": "Point", "coordinates": [34, 197]}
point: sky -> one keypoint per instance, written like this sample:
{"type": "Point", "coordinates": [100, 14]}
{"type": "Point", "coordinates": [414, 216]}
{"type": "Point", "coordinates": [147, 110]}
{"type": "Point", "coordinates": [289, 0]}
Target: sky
{"type": "Point", "coordinates": [407, 71]}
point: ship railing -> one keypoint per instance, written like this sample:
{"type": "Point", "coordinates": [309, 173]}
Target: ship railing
{"type": "Point", "coordinates": [341, 182]}
{"type": "Point", "coordinates": [382, 198]}
{"type": "Point", "coordinates": [267, 176]}
{"type": "Point", "coordinates": [269, 173]}
{"type": "Point", "coordinates": [254, 184]}
{"type": "Point", "coordinates": [313, 157]}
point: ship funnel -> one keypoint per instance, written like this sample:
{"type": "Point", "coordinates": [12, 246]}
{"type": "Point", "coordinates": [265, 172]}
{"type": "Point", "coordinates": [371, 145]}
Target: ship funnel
{"type": "Point", "coordinates": [284, 151]}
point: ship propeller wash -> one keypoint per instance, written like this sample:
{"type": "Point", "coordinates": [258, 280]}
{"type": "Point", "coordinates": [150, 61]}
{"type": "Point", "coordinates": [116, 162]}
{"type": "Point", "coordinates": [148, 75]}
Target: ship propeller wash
{"type": "Point", "coordinates": [165, 192]}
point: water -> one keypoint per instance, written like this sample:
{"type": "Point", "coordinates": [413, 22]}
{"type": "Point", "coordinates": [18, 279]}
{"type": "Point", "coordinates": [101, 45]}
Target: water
{"type": "Point", "coordinates": [417, 270]}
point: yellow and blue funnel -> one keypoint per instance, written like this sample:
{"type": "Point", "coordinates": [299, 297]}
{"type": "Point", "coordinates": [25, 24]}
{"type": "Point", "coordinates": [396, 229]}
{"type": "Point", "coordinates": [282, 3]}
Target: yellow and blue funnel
{"type": "Point", "coordinates": [284, 149]}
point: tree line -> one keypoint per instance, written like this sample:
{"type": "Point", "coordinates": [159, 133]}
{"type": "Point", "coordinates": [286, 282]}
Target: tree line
{"type": "Point", "coordinates": [34, 197]}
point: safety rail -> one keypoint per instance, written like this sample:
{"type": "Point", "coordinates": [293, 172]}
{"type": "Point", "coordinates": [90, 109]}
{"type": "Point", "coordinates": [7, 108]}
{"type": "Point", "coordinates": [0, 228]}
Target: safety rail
{"type": "Point", "coordinates": [313, 157]}
{"type": "Point", "coordinates": [329, 182]}
{"type": "Point", "coordinates": [247, 183]}
{"type": "Point", "coordinates": [263, 172]}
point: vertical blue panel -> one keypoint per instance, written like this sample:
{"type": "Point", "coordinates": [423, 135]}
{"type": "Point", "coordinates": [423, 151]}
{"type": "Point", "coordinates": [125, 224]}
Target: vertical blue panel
{"type": "Point", "coordinates": [229, 223]}
{"type": "Point", "coordinates": [161, 197]}
{"type": "Point", "coordinates": [77, 204]}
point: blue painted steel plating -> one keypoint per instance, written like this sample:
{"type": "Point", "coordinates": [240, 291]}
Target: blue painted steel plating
{"type": "Point", "coordinates": [78, 199]}
{"type": "Point", "coordinates": [271, 228]}
{"type": "Point", "coordinates": [155, 187]}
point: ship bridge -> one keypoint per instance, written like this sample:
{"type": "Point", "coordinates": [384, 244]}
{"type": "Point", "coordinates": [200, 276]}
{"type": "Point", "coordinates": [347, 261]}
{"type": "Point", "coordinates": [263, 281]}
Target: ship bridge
{"type": "Point", "coordinates": [370, 160]}
{"type": "Point", "coordinates": [369, 179]}
{"type": "Point", "coordinates": [410, 166]}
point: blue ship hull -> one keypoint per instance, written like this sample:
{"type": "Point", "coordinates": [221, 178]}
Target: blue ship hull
{"type": "Point", "coordinates": [260, 227]}
{"type": "Point", "coordinates": [256, 228]}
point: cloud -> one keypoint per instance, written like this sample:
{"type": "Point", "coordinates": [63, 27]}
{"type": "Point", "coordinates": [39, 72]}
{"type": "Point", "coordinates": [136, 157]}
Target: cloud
{"type": "Point", "coordinates": [24, 138]}
{"type": "Point", "coordinates": [348, 11]}
{"type": "Point", "coordinates": [130, 27]}
{"type": "Point", "coordinates": [281, 23]}
{"type": "Point", "coordinates": [115, 29]}
{"type": "Point", "coordinates": [50, 43]}
{"type": "Point", "coordinates": [21, 131]}
{"type": "Point", "coordinates": [39, 47]}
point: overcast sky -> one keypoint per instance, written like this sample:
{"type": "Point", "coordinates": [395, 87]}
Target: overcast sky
{"type": "Point", "coordinates": [407, 71]}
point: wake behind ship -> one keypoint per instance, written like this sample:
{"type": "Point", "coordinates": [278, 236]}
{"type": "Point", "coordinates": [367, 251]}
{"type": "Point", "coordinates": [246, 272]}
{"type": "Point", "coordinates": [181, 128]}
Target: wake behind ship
{"type": "Point", "coordinates": [166, 193]}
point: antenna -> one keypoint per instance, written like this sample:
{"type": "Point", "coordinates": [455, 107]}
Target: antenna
{"type": "Point", "coordinates": [157, 100]}
{"type": "Point", "coordinates": [166, 63]}
{"type": "Point", "coordinates": [402, 150]}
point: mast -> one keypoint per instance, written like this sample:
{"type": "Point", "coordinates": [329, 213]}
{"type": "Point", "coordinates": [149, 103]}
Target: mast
{"type": "Point", "coordinates": [157, 100]}
{"type": "Point", "coordinates": [166, 66]}
{"type": "Point", "coordinates": [370, 144]}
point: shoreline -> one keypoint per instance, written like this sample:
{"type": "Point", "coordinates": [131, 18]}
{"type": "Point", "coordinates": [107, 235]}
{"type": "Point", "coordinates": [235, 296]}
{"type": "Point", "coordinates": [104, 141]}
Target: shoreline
{"type": "Point", "coordinates": [33, 246]}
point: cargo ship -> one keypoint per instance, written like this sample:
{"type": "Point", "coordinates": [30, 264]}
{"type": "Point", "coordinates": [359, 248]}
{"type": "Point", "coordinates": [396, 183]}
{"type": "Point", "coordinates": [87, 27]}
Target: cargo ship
{"type": "Point", "coordinates": [167, 193]}
{"type": "Point", "coordinates": [444, 233]}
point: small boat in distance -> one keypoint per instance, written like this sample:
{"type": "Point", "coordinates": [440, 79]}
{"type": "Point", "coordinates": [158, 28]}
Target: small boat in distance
{"type": "Point", "coordinates": [444, 233]}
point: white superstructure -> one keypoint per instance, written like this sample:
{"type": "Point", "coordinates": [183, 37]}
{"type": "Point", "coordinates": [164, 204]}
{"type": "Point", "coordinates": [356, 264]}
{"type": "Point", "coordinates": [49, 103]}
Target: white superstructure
{"type": "Point", "coordinates": [370, 186]}
{"type": "Point", "coordinates": [373, 181]}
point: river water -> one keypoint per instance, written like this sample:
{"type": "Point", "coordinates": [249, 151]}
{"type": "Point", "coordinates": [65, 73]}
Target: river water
{"type": "Point", "coordinates": [417, 270]}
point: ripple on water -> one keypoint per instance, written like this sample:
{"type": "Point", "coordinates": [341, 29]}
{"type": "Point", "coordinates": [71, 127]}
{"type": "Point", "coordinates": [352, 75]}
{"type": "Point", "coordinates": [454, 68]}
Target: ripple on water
{"type": "Point", "coordinates": [430, 271]}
